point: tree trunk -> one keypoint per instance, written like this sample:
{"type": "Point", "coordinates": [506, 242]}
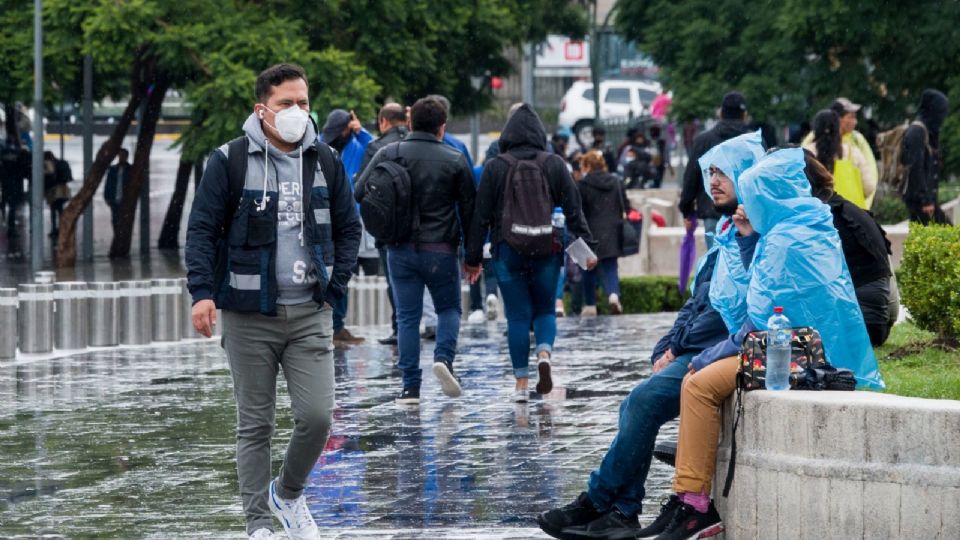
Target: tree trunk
{"type": "Point", "coordinates": [66, 255]}
{"type": "Point", "coordinates": [170, 232]}
{"type": "Point", "coordinates": [141, 158]}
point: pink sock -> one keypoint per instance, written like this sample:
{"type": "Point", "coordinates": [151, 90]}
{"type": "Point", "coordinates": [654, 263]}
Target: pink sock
{"type": "Point", "coordinates": [700, 501]}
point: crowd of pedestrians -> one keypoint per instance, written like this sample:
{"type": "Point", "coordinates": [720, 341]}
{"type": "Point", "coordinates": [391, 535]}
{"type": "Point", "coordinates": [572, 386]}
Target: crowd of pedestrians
{"type": "Point", "coordinates": [284, 213]}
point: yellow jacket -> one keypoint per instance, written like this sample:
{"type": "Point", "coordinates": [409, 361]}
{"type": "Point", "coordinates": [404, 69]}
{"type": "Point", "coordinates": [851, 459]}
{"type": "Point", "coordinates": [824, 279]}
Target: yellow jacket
{"type": "Point", "coordinates": [865, 162]}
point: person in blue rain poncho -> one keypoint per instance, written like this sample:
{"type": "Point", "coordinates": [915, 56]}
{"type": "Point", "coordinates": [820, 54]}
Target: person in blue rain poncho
{"type": "Point", "coordinates": [615, 491]}
{"type": "Point", "coordinates": [798, 264]}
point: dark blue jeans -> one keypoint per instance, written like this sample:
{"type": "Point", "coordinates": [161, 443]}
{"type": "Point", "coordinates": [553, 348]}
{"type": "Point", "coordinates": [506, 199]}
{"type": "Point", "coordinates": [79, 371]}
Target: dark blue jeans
{"type": "Point", "coordinates": [611, 280]}
{"type": "Point", "coordinates": [529, 287]}
{"type": "Point", "coordinates": [620, 478]}
{"type": "Point", "coordinates": [490, 284]}
{"type": "Point", "coordinates": [410, 272]}
{"type": "Point", "coordinates": [340, 310]}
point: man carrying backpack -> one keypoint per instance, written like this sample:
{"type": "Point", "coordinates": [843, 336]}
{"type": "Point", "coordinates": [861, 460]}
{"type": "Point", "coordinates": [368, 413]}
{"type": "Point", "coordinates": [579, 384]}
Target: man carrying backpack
{"type": "Point", "coordinates": [272, 240]}
{"type": "Point", "coordinates": [414, 195]}
{"type": "Point", "coordinates": [922, 159]}
{"type": "Point", "coordinates": [518, 192]}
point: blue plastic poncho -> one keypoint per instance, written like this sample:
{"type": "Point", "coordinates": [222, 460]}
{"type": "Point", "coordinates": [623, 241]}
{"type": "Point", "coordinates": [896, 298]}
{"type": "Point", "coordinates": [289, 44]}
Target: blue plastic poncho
{"type": "Point", "coordinates": [798, 264]}
{"type": "Point", "coordinates": [728, 286]}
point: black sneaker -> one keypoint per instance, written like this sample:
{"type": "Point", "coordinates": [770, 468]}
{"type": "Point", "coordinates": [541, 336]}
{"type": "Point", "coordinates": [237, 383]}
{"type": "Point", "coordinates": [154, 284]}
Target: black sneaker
{"type": "Point", "coordinates": [688, 524]}
{"type": "Point", "coordinates": [667, 509]}
{"type": "Point", "coordinates": [579, 512]}
{"type": "Point", "coordinates": [429, 333]}
{"type": "Point", "coordinates": [611, 526]}
{"type": "Point", "coordinates": [389, 340]}
{"type": "Point", "coordinates": [409, 396]}
{"type": "Point", "coordinates": [449, 383]}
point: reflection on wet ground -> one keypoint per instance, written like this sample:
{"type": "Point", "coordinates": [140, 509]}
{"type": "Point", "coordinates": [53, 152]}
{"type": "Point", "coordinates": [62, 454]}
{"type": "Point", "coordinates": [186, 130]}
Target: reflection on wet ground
{"type": "Point", "coordinates": [138, 442]}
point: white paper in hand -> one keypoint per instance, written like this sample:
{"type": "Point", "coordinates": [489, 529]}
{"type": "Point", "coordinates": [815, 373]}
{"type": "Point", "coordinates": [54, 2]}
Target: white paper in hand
{"type": "Point", "coordinates": [580, 252]}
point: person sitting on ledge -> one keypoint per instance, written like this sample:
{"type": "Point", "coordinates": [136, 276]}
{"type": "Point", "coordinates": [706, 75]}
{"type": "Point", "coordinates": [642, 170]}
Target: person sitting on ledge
{"type": "Point", "coordinates": [615, 491]}
{"type": "Point", "coordinates": [798, 264]}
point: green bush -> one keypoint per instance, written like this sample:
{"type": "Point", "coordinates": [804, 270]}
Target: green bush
{"type": "Point", "coordinates": [644, 294]}
{"type": "Point", "coordinates": [889, 209]}
{"type": "Point", "coordinates": [929, 279]}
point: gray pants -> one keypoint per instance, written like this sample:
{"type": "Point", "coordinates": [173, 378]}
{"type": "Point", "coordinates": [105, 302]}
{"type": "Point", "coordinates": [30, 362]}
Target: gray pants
{"type": "Point", "coordinates": [299, 340]}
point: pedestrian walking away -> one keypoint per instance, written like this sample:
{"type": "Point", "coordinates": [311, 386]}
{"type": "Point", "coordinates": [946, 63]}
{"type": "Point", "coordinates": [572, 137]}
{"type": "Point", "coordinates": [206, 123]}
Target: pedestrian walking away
{"type": "Point", "coordinates": [272, 239]}
{"type": "Point", "coordinates": [117, 178]}
{"type": "Point", "coordinates": [436, 194]}
{"type": "Point", "coordinates": [518, 192]}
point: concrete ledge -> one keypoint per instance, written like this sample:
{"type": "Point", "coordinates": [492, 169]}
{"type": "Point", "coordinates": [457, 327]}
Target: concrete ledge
{"type": "Point", "coordinates": [842, 465]}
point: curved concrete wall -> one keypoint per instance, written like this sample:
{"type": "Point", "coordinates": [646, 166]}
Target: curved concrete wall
{"type": "Point", "coordinates": [842, 465]}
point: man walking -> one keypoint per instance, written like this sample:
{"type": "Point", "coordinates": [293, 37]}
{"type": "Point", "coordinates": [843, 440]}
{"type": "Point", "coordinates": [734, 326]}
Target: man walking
{"type": "Point", "coordinates": [272, 239]}
{"type": "Point", "coordinates": [392, 123]}
{"type": "Point", "coordinates": [443, 196]}
{"type": "Point", "coordinates": [694, 200]}
{"type": "Point", "coordinates": [117, 178]}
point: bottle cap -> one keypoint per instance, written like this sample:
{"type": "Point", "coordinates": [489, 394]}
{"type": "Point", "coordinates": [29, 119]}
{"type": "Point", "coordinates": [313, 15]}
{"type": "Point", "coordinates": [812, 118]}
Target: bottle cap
{"type": "Point", "coordinates": [778, 309]}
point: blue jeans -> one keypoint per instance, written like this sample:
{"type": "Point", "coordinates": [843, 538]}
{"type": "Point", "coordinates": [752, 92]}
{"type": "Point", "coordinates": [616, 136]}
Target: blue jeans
{"type": "Point", "coordinates": [611, 280]}
{"type": "Point", "coordinates": [529, 287]}
{"type": "Point", "coordinates": [410, 272]}
{"type": "Point", "coordinates": [340, 310]}
{"type": "Point", "coordinates": [619, 479]}
{"type": "Point", "coordinates": [490, 284]}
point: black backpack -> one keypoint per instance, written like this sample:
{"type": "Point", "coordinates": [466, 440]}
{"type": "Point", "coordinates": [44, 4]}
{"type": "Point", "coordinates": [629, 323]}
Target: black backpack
{"type": "Point", "coordinates": [388, 207]}
{"type": "Point", "coordinates": [527, 224]}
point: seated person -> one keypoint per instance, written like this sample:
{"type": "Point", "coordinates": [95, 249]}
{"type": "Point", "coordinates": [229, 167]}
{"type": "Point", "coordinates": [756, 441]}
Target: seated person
{"type": "Point", "coordinates": [615, 491]}
{"type": "Point", "coordinates": [798, 264]}
{"type": "Point", "coordinates": [866, 250]}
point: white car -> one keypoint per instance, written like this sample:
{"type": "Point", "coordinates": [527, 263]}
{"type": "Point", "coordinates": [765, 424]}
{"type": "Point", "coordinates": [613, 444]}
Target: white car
{"type": "Point", "coordinates": [618, 99]}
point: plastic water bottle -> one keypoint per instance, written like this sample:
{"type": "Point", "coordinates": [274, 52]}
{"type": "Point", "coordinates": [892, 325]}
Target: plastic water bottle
{"type": "Point", "coordinates": [559, 220]}
{"type": "Point", "coordinates": [779, 336]}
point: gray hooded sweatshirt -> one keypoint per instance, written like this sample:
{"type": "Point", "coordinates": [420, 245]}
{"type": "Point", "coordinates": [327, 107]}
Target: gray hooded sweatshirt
{"type": "Point", "coordinates": [296, 275]}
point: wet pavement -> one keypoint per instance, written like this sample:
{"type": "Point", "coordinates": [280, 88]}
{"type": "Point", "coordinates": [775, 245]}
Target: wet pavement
{"type": "Point", "coordinates": [139, 442]}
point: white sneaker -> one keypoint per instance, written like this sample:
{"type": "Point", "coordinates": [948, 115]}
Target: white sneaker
{"type": "Point", "coordinates": [476, 317]}
{"type": "Point", "coordinates": [614, 302]}
{"type": "Point", "coordinates": [558, 308]}
{"type": "Point", "coordinates": [588, 311]}
{"type": "Point", "coordinates": [294, 515]}
{"type": "Point", "coordinates": [493, 307]}
{"type": "Point", "coordinates": [521, 396]}
{"type": "Point", "coordinates": [263, 534]}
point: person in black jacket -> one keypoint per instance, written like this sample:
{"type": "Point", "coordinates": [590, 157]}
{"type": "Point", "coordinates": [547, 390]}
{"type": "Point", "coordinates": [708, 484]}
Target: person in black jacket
{"type": "Point", "coordinates": [604, 205]}
{"type": "Point", "coordinates": [392, 122]}
{"type": "Point", "coordinates": [694, 201]}
{"type": "Point", "coordinates": [117, 178]}
{"type": "Point", "coordinates": [527, 284]}
{"type": "Point", "coordinates": [866, 251]}
{"type": "Point", "coordinates": [444, 194]}
{"type": "Point", "coordinates": [275, 268]}
{"type": "Point", "coordinates": [922, 159]}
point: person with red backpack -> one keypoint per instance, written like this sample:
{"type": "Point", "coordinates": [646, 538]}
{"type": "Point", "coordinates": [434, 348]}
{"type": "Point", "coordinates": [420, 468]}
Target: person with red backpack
{"type": "Point", "coordinates": [518, 192]}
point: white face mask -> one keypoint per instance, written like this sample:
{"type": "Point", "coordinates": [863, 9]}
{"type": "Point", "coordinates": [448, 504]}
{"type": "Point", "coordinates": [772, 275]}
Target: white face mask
{"type": "Point", "coordinates": [291, 123]}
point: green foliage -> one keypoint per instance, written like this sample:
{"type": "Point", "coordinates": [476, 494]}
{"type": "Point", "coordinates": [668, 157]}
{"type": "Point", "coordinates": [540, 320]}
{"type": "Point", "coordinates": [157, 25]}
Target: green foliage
{"type": "Point", "coordinates": [929, 279]}
{"type": "Point", "coordinates": [646, 294]}
{"type": "Point", "coordinates": [913, 365]}
{"type": "Point", "coordinates": [794, 57]}
{"type": "Point", "coordinates": [888, 208]}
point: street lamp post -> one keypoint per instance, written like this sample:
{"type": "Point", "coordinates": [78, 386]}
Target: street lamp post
{"type": "Point", "coordinates": [36, 180]}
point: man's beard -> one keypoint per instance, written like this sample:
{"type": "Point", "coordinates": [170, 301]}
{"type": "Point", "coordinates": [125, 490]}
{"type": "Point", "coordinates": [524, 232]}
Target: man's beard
{"type": "Point", "coordinates": [340, 143]}
{"type": "Point", "coordinates": [727, 209]}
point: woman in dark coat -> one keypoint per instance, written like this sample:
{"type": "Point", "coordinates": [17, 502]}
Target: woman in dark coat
{"type": "Point", "coordinates": [604, 205]}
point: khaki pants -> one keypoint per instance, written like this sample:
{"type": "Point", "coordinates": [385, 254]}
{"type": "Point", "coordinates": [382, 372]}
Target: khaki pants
{"type": "Point", "coordinates": [700, 399]}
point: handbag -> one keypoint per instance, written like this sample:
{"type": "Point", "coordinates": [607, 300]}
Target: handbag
{"type": "Point", "coordinates": [806, 351]}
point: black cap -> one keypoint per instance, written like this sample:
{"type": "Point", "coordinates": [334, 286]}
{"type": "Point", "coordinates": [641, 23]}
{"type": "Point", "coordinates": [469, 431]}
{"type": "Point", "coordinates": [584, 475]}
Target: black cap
{"type": "Point", "coordinates": [733, 105]}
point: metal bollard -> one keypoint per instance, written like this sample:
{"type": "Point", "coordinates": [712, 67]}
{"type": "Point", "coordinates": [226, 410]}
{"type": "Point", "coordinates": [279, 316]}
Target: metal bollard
{"type": "Point", "coordinates": [8, 323]}
{"type": "Point", "coordinates": [45, 277]}
{"type": "Point", "coordinates": [353, 300]}
{"type": "Point", "coordinates": [167, 313]}
{"type": "Point", "coordinates": [35, 318]}
{"type": "Point", "coordinates": [186, 302]}
{"type": "Point", "coordinates": [383, 302]}
{"type": "Point", "coordinates": [136, 326]}
{"type": "Point", "coordinates": [70, 315]}
{"type": "Point", "coordinates": [369, 299]}
{"type": "Point", "coordinates": [103, 314]}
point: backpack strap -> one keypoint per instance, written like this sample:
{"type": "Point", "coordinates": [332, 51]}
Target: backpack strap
{"type": "Point", "coordinates": [236, 178]}
{"type": "Point", "coordinates": [738, 407]}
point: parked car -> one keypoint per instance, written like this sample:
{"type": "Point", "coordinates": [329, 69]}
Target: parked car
{"type": "Point", "coordinates": [618, 99]}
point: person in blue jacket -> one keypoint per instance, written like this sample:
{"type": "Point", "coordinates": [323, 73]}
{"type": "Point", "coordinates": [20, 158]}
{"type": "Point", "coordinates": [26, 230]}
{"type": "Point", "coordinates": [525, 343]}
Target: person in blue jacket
{"type": "Point", "coordinates": [615, 491]}
{"type": "Point", "coordinates": [344, 133]}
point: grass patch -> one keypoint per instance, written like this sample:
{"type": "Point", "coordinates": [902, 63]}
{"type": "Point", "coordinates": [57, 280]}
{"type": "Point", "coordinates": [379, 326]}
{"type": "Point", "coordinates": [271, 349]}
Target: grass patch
{"type": "Point", "coordinates": [913, 363]}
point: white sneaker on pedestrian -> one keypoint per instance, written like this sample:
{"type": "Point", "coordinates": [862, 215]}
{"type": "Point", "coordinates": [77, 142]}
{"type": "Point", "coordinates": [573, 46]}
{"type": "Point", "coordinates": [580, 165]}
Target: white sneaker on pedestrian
{"type": "Point", "coordinates": [558, 308]}
{"type": "Point", "coordinates": [614, 302]}
{"type": "Point", "coordinates": [588, 311]}
{"type": "Point", "coordinates": [521, 396]}
{"type": "Point", "coordinates": [476, 317]}
{"type": "Point", "coordinates": [449, 384]}
{"type": "Point", "coordinates": [262, 534]}
{"type": "Point", "coordinates": [294, 515]}
{"type": "Point", "coordinates": [493, 307]}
